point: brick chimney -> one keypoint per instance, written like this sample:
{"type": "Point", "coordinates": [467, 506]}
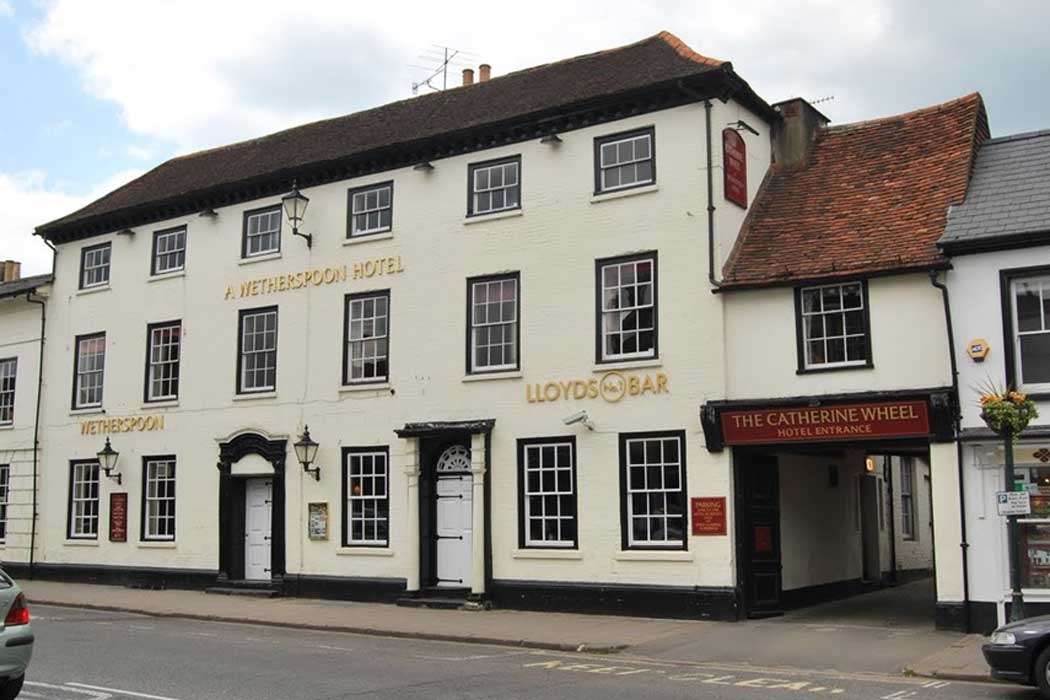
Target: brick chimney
{"type": "Point", "coordinates": [484, 73]}
{"type": "Point", "coordinates": [468, 76]}
{"type": "Point", "coordinates": [10, 271]}
{"type": "Point", "coordinates": [793, 137]}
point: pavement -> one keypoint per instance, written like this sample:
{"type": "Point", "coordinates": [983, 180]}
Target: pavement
{"type": "Point", "coordinates": [888, 633]}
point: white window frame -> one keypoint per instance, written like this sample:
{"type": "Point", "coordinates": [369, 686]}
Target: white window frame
{"type": "Point", "coordinates": [481, 176]}
{"type": "Point", "coordinates": [175, 237]}
{"type": "Point", "coordinates": [611, 145]}
{"type": "Point", "coordinates": [5, 492]}
{"type": "Point", "coordinates": [907, 493]}
{"type": "Point", "coordinates": [1044, 296]}
{"type": "Point", "coordinates": [82, 374]}
{"type": "Point", "coordinates": [158, 507]}
{"type": "Point", "coordinates": [630, 490]}
{"type": "Point", "coordinates": [360, 206]}
{"type": "Point", "coordinates": [368, 334]}
{"type": "Point", "coordinates": [549, 494]}
{"type": "Point", "coordinates": [245, 353]}
{"type": "Point", "coordinates": [843, 337]}
{"type": "Point", "coordinates": [8, 383]}
{"type": "Point", "coordinates": [161, 361]}
{"type": "Point", "coordinates": [259, 233]}
{"type": "Point", "coordinates": [356, 505]}
{"type": "Point", "coordinates": [618, 314]}
{"type": "Point", "coordinates": [84, 510]}
{"type": "Point", "coordinates": [95, 262]}
{"type": "Point", "coordinates": [481, 321]}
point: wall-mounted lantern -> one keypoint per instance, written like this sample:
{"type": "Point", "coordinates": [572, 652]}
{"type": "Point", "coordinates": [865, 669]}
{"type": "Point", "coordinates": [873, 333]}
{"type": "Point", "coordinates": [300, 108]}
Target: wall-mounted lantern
{"type": "Point", "coordinates": [306, 453]}
{"type": "Point", "coordinates": [295, 203]}
{"type": "Point", "coordinates": [107, 460]}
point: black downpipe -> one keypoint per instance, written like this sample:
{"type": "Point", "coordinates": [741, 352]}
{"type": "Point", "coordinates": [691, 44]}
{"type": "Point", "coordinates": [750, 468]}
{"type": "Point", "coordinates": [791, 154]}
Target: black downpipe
{"type": "Point", "coordinates": [958, 445]}
{"type": "Point", "coordinates": [710, 202]}
{"type": "Point", "coordinates": [36, 431]}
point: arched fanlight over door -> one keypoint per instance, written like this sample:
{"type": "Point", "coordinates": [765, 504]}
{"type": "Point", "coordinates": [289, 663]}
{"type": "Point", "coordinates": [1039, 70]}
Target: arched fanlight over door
{"type": "Point", "coordinates": [454, 459]}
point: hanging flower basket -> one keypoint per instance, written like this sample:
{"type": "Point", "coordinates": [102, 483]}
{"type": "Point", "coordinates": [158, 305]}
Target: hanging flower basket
{"type": "Point", "coordinates": [1007, 413]}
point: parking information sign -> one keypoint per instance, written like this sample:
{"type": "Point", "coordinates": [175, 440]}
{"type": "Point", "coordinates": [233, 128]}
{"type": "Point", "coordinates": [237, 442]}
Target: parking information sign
{"type": "Point", "coordinates": [1014, 502]}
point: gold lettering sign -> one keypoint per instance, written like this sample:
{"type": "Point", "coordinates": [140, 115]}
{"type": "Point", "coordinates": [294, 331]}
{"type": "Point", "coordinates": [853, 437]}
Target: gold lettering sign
{"type": "Point", "coordinates": [611, 387]}
{"type": "Point", "coordinates": [125, 424]}
{"type": "Point", "coordinates": [317, 277]}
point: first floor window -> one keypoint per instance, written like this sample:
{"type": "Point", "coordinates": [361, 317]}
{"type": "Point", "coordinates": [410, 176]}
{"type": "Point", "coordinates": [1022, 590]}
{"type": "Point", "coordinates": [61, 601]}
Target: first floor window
{"type": "Point", "coordinates": [366, 512]}
{"type": "Point", "coordinates": [834, 321]}
{"type": "Point", "coordinates": [495, 186]}
{"type": "Point", "coordinates": [258, 350]}
{"type": "Point", "coordinates": [5, 490]}
{"type": "Point", "coordinates": [627, 303]}
{"type": "Point", "coordinates": [262, 232]}
{"type": "Point", "coordinates": [8, 370]}
{"type": "Point", "coordinates": [547, 479]}
{"type": "Point", "coordinates": [94, 266]}
{"type": "Point", "coordinates": [169, 250]}
{"type": "Point", "coordinates": [624, 160]}
{"type": "Point", "coordinates": [1031, 321]}
{"type": "Point", "coordinates": [89, 370]}
{"type": "Point", "coordinates": [652, 473]}
{"type": "Point", "coordinates": [158, 498]}
{"type": "Point", "coordinates": [494, 325]}
{"type": "Point", "coordinates": [371, 209]}
{"type": "Point", "coordinates": [83, 500]}
{"type": "Point", "coordinates": [367, 338]}
{"type": "Point", "coordinates": [165, 352]}
{"type": "Point", "coordinates": [907, 498]}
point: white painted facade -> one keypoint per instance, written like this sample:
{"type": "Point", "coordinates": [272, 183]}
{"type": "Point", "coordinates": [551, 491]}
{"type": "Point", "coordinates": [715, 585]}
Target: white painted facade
{"type": "Point", "coordinates": [20, 341]}
{"type": "Point", "coordinates": [978, 308]}
{"type": "Point", "coordinates": [553, 241]}
{"type": "Point", "coordinates": [909, 351]}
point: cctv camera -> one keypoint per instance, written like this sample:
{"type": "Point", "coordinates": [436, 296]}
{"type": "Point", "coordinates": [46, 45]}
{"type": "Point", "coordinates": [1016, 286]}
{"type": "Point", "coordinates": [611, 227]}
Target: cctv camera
{"type": "Point", "coordinates": [579, 417]}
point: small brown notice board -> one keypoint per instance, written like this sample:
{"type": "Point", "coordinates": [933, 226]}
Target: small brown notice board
{"type": "Point", "coordinates": [709, 515]}
{"type": "Point", "coordinates": [118, 517]}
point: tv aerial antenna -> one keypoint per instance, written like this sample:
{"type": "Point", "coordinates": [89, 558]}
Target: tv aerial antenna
{"type": "Point", "coordinates": [437, 60]}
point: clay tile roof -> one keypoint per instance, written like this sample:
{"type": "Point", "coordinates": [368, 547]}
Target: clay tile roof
{"type": "Point", "coordinates": [532, 93]}
{"type": "Point", "coordinates": [871, 197]}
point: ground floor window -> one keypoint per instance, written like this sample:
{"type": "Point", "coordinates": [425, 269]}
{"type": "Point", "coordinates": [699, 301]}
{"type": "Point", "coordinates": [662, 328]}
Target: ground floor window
{"type": "Point", "coordinates": [547, 486]}
{"type": "Point", "coordinates": [158, 498]}
{"type": "Point", "coordinates": [366, 505]}
{"type": "Point", "coordinates": [907, 488]}
{"type": "Point", "coordinates": [652, 480]}
{"type": "Point", "coordinates": [83, 500]}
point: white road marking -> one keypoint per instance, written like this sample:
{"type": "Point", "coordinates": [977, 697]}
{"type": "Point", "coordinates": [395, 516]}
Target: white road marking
{"type": "Point", "coordinates": [90, 693]}
{"type": "Point", "coordinates": [332, 648]}
{"type": "Point", "coordinates": [899, 695]}
{"type": "Point", "coordinates": [118, 691]}
{"type": "Point", "coordinates": [936, 684]}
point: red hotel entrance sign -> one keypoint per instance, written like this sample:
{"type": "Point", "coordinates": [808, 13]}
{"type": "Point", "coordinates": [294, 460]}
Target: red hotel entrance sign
{"type": "Point", "coordinates": [734, 160]}
{"type": "Point", "coordinates": [806, 424]}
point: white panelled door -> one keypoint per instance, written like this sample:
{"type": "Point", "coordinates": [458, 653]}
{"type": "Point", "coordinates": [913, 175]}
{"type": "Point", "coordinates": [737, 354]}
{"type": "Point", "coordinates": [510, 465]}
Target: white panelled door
{"type": "Point", "coordinates": [455, 512]}
{"type": "Point", "coordinates": [454, 545]}
{"type": "Point", "coordinates": [258, 512]}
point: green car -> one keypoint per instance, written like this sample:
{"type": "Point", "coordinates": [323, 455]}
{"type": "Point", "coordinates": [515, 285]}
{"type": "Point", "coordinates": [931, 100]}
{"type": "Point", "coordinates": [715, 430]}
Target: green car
{"type": "Point", "coordinates": [16, 638]}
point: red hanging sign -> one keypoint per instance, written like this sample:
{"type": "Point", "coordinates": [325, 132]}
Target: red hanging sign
{"type": "Point", "coordinates": [849, 422]}
{"type": "Point", "coordinates": [734, 165]}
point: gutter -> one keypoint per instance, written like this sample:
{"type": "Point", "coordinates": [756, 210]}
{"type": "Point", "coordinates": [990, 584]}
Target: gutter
{"type": "Point", "coordinates": [958, 445]}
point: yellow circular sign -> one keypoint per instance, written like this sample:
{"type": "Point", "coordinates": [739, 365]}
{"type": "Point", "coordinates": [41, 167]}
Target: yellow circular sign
{"type": "Point", "coordinates": [613, 386]}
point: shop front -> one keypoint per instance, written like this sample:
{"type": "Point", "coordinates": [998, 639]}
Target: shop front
{"type": "Point", "coordinates": [824, 488]}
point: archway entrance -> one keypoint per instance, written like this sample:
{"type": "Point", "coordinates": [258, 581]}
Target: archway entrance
{"type": "Point", "coordinates": [252, 510]}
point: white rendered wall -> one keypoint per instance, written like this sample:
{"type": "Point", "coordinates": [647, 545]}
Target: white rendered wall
{"type": "Point", "coordinates": [554, 243]}
{"type": "Point", "coordinates": [819, 527]}
{"type": "Point", "coordinates": [20, 339]}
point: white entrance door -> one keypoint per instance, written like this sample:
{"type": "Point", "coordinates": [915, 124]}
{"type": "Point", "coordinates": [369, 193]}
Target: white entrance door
{"type": "Point", "coordinates": [258, 510]}
{"type": "Point", "coordinates": [454, 545]}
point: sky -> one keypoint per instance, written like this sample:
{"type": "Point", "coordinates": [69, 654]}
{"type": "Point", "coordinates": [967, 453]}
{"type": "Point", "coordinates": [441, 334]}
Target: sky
{"type": "Point", "coordinates": [96, 93]}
